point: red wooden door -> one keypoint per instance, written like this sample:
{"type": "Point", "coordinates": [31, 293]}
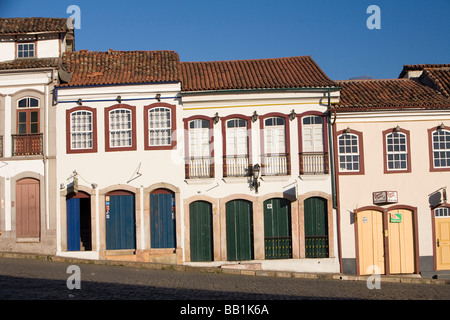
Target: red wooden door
{"type": "Point", "coordinates": [27, 208]}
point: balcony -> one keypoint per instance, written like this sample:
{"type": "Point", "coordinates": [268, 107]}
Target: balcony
{"type": "Point", "coordinates": [275, 164]}
{"type": "Point", "coordinates": [27, 144]}
{"type": "Point", "coordinates": [199, 167]}
{"type": "Point", "coordinates": [313, 163]}
{"type": "Point", "coordinates": [236, 166]}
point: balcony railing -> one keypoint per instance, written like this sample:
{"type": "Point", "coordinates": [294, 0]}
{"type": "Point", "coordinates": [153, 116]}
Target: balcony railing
{"type": "Point", "coordinates": [27, 144]}
{"type": "Point", "coordinates": [236, 166]}
{"type": "Point", "coordinates": [275, 164]}
{"type": "Point", "coordinates": [199, 167]}
{"type": "Point", "coordinates": [313, 163]}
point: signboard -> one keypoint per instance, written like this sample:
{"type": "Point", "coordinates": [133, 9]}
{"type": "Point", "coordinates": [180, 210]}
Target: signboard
{"type": "Point", "coordinates": [384, 197]}
{"type": "Point", "coordinates": [396, 217]}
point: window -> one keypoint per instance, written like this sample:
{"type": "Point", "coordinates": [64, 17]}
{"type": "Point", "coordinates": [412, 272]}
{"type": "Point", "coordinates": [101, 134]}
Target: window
{"type": "Point", "coordinates": [236, 157]}
{"type": "Point", "coordinates": [28, 116]}
{"type": "Point", "coordinates": [442, 212]}
{"type": "Point", "coordinates": [159, 126]}
{"type": "Point", "coordinates": [199, 162]}
{"type": "Point", "coordinates": [81, 124]}
{"type": "Point", "coordinates": [350, 153]}
{"type": "Point", "coordinates": [313, 144]}
{"type": "Point", "coordinates": [396, 151]}
{"type": "Point", "coordinates": [312, 134]}
{"type": "Point", "coordinates": [120, 126]}
{"type": "Point", "coordinates": [25, 50]}
{"type": "Point", "coordinates": [441, 149]}
{"type": "Point", "coordinates": [275, 156]}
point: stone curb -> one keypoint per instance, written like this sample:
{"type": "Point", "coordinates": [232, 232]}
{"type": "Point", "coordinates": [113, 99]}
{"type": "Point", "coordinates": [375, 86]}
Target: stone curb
{"type": "Point", "coordinates": [186, 268]}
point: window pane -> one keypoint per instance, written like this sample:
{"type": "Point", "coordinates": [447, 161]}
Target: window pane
{"type": "Point", "coordinates": [159, 127]}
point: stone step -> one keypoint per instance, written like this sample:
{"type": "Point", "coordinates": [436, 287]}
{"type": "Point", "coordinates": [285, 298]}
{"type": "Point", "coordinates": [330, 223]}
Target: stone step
{"type": "Point", "coordinates": [242, 266]}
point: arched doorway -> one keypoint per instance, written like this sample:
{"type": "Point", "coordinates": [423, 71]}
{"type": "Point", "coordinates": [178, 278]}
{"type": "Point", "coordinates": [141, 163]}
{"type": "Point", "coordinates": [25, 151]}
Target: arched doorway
{"type": "Point", "coordinates": [28, 208]}
{"type": "Point", "coordinates": [79, 222]}
{"type": "Point", "coordinates": [201, 231]}
{"type": "Point", "coordinates": [316, 228]}
{"type": "Point", "coordinates": [239, 224]}
{"type": "Point", "coordinates": [162, 219]}
{"type": "Point", "coordinates": [120, 220]}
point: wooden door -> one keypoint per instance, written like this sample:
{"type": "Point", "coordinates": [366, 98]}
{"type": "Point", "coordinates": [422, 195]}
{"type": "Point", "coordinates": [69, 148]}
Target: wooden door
{"type": "Point", "coordinates": [162, 219]}
{"type": "Point", "coordinates": [277, 229]}
{"type": "Point", "coordinates": [370, 242]}
{"type": "Point", "coordinates": [27, 208]}
{"type": "Point", "coordinates": [442, 245]}
{"type": "Point", "coordinates": [201, 231]}
{"type": "Point", "coordinates": [239, 224]}
{"type": "Point", "coordinates": [316, 228]}
{"type": "Point", "coordinates": [120, 221]}
{"type": "Point", "coordinates": [401, 241]}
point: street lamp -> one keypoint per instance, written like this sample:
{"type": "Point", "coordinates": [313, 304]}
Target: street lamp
{"type": "Point", "coordinates": [255, 174]}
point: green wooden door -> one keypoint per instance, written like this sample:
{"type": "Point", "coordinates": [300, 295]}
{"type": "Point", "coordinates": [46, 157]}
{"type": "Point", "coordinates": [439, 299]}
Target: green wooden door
{"type": "Point", "coordinates": [277, 229]}
{"type": "Point", "coordinates": [239, 223]}
{"type": "Point", "coordinates": [201, 232]}
{"type": "Point", "coordinates": [316, 228]}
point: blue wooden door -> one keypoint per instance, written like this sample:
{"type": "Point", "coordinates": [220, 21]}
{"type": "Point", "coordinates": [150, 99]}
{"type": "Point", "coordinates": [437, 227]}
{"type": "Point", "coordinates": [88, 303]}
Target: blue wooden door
{"type": "Point", "coordinates": [162, 219]}
{"type": "Point", "coordinates": [73, 224]}
{"type": "Point", "coordinates": [120, 222]}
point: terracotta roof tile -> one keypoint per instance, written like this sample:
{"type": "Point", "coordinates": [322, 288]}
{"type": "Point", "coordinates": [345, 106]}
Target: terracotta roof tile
{"type": "Point", "coordinates": [30, 63]}
{"type": "Point", "coordinates": [438, 79]}
{"type": "Point", "coordinates": [30, 25]}
{"type": "Point", "coordinates": [120, 67]}
{"type": "Point", "coordinates": [388, 94]}
{"type": "Point", "coordinates": [415, 67]}
{"type": "Point", "coordinates": [275, 73]}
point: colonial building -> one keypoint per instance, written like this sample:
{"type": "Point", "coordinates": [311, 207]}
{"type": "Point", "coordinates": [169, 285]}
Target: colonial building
{"type": "Point", "coordinates": [30, 49]}
{"type": "Point", "coordinates": [392, 155]}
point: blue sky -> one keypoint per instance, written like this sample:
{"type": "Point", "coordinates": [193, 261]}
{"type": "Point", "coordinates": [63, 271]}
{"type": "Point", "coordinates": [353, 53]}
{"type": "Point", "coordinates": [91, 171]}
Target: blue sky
{"type": "Point", "coordinates": [334, 33]}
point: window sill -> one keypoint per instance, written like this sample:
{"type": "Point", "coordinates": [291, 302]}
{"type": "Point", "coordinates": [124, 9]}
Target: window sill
{"type": "Point", "coordinates": [199, 181]}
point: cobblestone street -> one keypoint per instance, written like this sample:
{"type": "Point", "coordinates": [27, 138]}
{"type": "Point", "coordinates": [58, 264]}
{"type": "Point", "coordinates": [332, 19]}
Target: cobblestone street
{"type": "Point", "coordinates": [28, 279]}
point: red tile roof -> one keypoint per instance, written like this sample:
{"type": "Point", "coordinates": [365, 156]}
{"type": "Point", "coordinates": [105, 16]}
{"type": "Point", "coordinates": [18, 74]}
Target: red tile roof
{"type": "Point", "coordinates": [275, 73]}
{"type": "Point", "coordinates": [31, 25]}
{"type": "Point", "coordinates": [438, 79]}
{"type": "Point", "coordinates": [120, 67]}
{"type": "Point", "coordinates": [415, 67]}
{"type": "Point", "coordinates": [30, 63]}
{"type": "Point", "coordinates": [360, 95]}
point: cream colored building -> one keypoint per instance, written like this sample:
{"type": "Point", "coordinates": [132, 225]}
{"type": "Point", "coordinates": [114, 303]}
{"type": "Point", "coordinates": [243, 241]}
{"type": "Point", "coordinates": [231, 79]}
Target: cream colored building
{"type": "Point", "coordinates": [392, 156]}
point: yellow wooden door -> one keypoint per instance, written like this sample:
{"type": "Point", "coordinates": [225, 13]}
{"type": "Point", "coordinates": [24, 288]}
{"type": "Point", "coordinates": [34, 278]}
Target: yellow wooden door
{"type": "Point", "coordinates": [370, 242]}
{"type": "Point", "coordinates": [442, 243]}
{"type": "Point", "coordinates": [401, 241]}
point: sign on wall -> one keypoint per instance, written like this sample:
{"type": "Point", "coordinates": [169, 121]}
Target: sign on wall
{"type": "Point", "coordinates": [384, 197]}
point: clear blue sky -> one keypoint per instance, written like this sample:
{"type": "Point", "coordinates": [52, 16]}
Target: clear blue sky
{"type": "Point", "coordinates": [334, 33]}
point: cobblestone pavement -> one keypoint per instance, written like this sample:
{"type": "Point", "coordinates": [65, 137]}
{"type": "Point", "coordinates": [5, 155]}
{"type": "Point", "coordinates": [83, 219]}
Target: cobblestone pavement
{"type": "Point", "coordinates": [28, 279]}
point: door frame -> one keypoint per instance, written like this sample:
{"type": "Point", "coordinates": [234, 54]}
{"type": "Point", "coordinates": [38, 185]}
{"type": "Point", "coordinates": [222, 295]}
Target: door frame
{"type": "Point", "coordinates": [433, 228]}
{"type": "Point", "coordinates": [385, 211]}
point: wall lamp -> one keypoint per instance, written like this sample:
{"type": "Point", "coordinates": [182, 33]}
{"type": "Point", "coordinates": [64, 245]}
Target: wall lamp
{"type": "Point", "coordinates": [79, 101]}
{"type": "Point", "coordinates": [255, 174]}
{"type": "Point", "coordinates": [348, 130]}
{"type": "Point", "coordinates": [441, 126]}
{"type": "Point", "coordinates": [158, 97]}
{"type": "Point", "coordinates": [397, 128]}
{"type": "Point", "coordinates": [119, 99]}
{"type": "Point", "coordinates": [292, 115]}
{"type": "Point", "coordinates": [216, 118]}
{"type": "Point", "coordinates": [254, 116]}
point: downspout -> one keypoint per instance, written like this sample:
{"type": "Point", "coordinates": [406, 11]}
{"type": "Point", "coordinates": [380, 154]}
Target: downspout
{"type": "Point", "coordinates": [334, 179]}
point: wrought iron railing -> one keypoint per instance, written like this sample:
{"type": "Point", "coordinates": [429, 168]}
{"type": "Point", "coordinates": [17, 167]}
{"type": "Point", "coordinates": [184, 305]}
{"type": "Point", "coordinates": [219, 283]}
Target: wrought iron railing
{"type": "Point", "coordinates": [278, 247]}
{"type": "Point", "coordinates": [236, 166]}
{"type": "Point", "coordinates": [313, 163]}
{"type": "Point", "coordinates": [275, 164]}
{"type": "Point", "coordinates": [199, 167]}
{"type": "Point", "coordinates": [27, 144]}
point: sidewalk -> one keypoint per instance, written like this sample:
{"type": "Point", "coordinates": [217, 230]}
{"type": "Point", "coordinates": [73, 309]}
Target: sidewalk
{"type": "Point", "coordinates": [268, 273]}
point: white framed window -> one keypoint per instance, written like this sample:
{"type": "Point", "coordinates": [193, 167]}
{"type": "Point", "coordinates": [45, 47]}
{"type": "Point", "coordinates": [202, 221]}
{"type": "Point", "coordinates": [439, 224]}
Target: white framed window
{"type": "Point", "coordinates": [275, 135]}
{"type": "Point", "coordinates": [120, 128]}
{"type": "Point", "coordinates": [396, 151]}
{"type": "Point", "coordinates": [349, 153]}
{"type": "Point", "coordinates": [26, 50]}
{"type": "Point", "coordinates": [236, 137]}
{"type": "Point", "coordinates": [199, 138]}
{"type": "Point", "coordinates": [81, 130]}
{"type": "Point", "coordinates": [160, 127]}
{"type": "Point", "coordinates": [312, 134]}
{"type": "Point", "coordinates": [442, 212]}
{"type": "Point", "coordinates": [441, 148]}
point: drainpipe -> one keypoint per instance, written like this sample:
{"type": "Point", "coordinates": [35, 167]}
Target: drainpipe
{"type": "Point", "coordinates": [334, 180]}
